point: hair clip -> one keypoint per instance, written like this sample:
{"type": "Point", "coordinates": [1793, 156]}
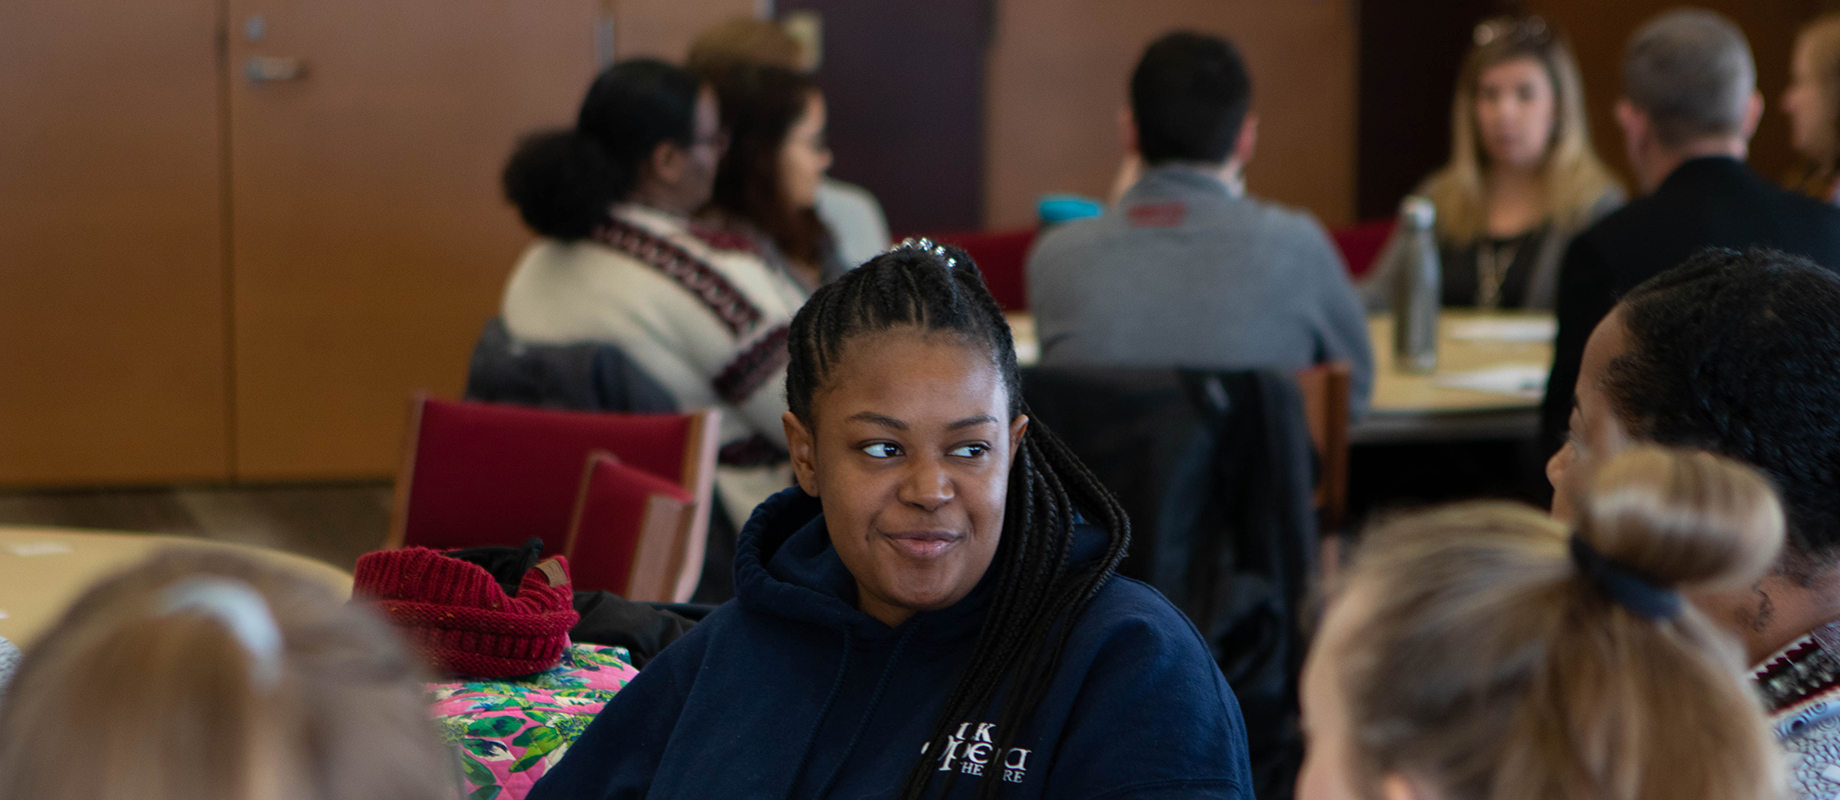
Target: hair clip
{"type": "Point", "coordinates": [241, 610]}
{"type": "Point", "coordinates": [927, 246]}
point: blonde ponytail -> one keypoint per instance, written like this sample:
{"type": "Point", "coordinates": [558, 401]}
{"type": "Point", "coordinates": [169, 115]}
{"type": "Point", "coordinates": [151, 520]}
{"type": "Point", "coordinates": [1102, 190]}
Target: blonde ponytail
{"type": "Point", "coordinates": [1489, 664]}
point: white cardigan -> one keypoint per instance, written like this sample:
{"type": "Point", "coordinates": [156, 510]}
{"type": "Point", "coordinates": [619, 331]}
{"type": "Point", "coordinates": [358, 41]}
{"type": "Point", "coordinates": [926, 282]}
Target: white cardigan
{"type": "Point", "coordinates": [589, 292]}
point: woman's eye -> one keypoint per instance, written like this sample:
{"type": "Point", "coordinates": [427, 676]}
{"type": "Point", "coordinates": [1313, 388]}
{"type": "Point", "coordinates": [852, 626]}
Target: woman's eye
{"type": "Point", "coordinates": [882, 450]}
{"type": "Point", "coordinates": [968, 450]}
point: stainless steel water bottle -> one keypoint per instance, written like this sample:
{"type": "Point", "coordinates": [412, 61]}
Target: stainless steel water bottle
{"type": "Point", "coordinates": [1418, 291]}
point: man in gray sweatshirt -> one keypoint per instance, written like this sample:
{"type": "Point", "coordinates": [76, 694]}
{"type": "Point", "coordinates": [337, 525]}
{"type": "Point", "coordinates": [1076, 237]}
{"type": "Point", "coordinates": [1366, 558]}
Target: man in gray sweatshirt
{"type": "Point", "coordinates": [1186, 269]}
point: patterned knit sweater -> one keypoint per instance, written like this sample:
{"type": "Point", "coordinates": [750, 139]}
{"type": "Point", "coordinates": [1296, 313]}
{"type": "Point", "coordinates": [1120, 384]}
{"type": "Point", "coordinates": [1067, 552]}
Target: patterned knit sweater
{"type": "Point", "coordinates": [1801, 690]}
{"type": "Point", "coordinates": [709, 324]}
{"type": "Point", "coordinates": [710, 328]}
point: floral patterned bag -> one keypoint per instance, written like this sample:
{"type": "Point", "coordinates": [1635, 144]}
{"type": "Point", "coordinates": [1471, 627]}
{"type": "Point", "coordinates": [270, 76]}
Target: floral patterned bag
{"type": "Point", "coordinates": [510, 732]}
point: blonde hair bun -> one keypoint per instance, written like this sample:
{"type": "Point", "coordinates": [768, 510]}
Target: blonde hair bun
{"type": "Point", "coordinates": [1683, 519]}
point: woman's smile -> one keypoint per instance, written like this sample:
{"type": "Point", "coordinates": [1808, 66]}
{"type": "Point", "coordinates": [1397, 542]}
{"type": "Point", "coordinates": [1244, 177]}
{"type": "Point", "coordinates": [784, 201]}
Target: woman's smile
{"type": "Point", "coordinates": [921, 545]}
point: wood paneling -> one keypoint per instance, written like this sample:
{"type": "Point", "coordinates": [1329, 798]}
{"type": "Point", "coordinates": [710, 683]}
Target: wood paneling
{"type": "Point", "coordinates": [1059, 72]}
{"type": "Point", "coordinates": [665, 28]}
{"type": "Point", "coordinates": [1600, 30]}
{"type": "Point", "coordinates": [371, 240]}
{"type": "Point", "coordinates": [112, 342]}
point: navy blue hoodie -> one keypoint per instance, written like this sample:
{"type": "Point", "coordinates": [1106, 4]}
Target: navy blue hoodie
{"type": "Point", "coordinates": [790, 692]}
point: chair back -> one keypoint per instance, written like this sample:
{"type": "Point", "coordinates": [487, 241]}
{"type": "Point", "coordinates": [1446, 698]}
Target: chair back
{"type": "Point", "coordinates": [1214, 470]}
{"type": "Point", "coordinates": [587, 376]}
{"type": "Point", "coordinates": [1326, 396]}
{"type": "Point", "coordinates": [483, 474]}
{"type": "Point", "coordinates": [630, 534]}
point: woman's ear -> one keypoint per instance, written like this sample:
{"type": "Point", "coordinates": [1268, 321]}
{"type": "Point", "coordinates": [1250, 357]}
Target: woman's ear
{"type": "Point", "coordinates": [1017, 427]}
{"type": "Point", "coordinates": [667, 163]}
{"type": "Point", "coordinates": [800, 442]}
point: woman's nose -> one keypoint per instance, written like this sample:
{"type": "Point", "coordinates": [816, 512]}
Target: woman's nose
{"type": "Point", "coordinates": [926, 485]}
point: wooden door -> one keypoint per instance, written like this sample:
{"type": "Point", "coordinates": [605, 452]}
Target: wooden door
{"type": "Point", "coordinates": [371, 240]}
{"type": "Point", "coordinates": [112, 298]}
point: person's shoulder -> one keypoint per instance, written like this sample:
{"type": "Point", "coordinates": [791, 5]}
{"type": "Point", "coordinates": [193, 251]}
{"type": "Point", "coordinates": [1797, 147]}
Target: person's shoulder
{"type": "Point", "coordinates": [831, 190]}
{"type": "Point", "coordinates": [1065, 242]}
{"type": "Point", "coordinates": [1286, 222]}
{"type": "Point", "coordinates": [1131, 614]}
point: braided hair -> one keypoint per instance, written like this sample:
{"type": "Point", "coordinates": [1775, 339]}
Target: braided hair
{"type": "Point", "coordinates": [1038, 594]}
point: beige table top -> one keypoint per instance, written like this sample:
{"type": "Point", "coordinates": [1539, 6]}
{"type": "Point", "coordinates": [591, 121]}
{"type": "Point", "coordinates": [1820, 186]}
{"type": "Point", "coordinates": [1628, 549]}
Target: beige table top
{"type": "Point", "coordinates": [1396, 392]}
{"type": "Point", "coordinates": [1415, 407]}
{"type": "Point", "coordinates": [44, 570]}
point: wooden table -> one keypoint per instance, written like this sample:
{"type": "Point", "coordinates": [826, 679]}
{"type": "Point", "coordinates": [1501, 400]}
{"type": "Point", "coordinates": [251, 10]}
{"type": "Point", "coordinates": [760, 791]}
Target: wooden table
{"type": "Point", "coordinates": [44, 570]}
{"type": "Point", "coordinates": [1416, 408]}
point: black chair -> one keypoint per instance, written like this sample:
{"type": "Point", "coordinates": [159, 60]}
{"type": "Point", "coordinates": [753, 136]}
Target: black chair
{"type": "Point", "coordinates": [1216, 470]}
{"type": "Point", "coordinates": [590, 376]}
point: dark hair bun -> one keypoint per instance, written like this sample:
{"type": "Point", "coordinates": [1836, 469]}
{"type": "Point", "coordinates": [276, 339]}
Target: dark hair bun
{"type": "Point", "coordinates": [563, 184]}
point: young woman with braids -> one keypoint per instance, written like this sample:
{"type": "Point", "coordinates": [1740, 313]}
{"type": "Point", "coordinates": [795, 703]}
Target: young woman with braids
{"type": "Point", "coordinates": [933, 610]}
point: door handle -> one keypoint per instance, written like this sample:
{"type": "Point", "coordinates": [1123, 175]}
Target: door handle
{"type": "Point", "coordinates": [268, 69]}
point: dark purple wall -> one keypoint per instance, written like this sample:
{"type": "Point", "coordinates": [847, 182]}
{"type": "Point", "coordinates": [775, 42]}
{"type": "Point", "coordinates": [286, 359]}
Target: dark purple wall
{"type": "Point", "coordinates": [1411, 51]}
{"type": "Point", "coordinates": [904, 82]}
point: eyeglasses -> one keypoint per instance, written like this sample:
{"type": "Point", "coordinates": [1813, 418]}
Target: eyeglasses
{"type": "Point", "coordinates": [1521, 31]}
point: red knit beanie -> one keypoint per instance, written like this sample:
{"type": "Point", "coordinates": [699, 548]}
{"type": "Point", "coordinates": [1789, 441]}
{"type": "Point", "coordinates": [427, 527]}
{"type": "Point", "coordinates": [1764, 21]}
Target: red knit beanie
{"type": "Point", "coordinates": [459, 616]}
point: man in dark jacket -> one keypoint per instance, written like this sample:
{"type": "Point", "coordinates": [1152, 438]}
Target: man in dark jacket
{"type": "Point", "coordinates": [1689, 107]}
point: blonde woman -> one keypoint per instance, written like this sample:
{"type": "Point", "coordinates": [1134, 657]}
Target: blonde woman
{"type": "Point", "coordinates": [1522, 178]}
{"type": "Point", "coordinates": [1812, 102]}
{"type": "Point", "coordinates": [210, 676]}
{"type": "Point", "coordinates": [1485, 652]}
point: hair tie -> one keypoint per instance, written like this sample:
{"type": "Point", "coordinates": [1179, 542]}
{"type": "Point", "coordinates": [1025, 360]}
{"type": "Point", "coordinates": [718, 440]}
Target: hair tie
{"type": "Point", "coordinates": [241, 610]}
{"type": "Point", "coordinates": [927, 246]}
{"type": "Point", "coordinates": [1623, 585]}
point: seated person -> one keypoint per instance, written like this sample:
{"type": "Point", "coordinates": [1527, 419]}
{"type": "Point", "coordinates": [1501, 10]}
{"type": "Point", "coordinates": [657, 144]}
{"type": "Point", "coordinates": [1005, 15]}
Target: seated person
{"type": "Point", "coordinates": [1812, 103]}
{"type": "Point", "coordinates": [1485, 652]}
{"type": "Point", "coordinates": [852, 214]}
{"type": "Point", "coordinates": [1188, 270]}
{"type": "Point", "coordinates": [1522, 178]}
{"type": "Point", "coordinates": [766, 186]}
{"type": "Point", "coordinates": [211, 676]}
{"type": "Point", "coordinates": [1689, 107]}
{"type": "Point", "coordinates": [1736, 353]}
{"type": "Point", "coordinates": [619, 262]}
{"type": "Point", "coordinates": [933, 611]}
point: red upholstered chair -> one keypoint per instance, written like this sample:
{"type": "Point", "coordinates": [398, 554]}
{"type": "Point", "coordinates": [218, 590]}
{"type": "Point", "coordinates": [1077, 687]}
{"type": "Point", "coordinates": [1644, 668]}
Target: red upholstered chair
{"type": "Point", "coordinates": [480, 473]}
{"type": "Point", "coordinates": [630, 534]}
{"type": "Point", "coordinates": [1003, 258]}
{"type": "Point", "coordinates": [1361, 244]}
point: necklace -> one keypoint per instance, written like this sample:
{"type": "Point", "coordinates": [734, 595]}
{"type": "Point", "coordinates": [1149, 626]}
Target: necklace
{"type": "Point", "coordinates": [1492, 270]}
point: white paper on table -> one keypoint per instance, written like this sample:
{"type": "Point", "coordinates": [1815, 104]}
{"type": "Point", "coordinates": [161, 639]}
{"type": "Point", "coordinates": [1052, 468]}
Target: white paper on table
{"type": "Point", "coordinates": [29, 549]}
{"type": "Point", "coordinates": [1526, 381]}
{"type": "Point", "coordinates": [4, 615]}
{"type": "Point", "coordinates": [1505, 330]}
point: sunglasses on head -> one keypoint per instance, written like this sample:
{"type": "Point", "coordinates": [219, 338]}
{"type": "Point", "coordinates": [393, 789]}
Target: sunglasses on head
{"type": "Point", "coordinates": [1524, 31]}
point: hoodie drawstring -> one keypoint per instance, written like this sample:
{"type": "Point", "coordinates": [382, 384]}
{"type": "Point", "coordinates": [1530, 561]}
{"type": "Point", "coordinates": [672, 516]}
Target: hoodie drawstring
{"type": "Point", "coordinates": [874, 700]}
{"type": "Point", "coordinates": [843, 668]}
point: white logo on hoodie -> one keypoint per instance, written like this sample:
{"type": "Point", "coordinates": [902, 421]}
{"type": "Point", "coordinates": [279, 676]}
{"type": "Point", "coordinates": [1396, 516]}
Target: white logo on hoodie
{"type": "Point", "coordinates": [970, 751]}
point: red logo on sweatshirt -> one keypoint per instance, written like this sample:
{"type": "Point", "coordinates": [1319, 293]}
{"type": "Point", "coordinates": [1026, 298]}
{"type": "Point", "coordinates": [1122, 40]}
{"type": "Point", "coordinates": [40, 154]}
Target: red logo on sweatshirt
{"type": "Point", "coordinates": [1157, 215]}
